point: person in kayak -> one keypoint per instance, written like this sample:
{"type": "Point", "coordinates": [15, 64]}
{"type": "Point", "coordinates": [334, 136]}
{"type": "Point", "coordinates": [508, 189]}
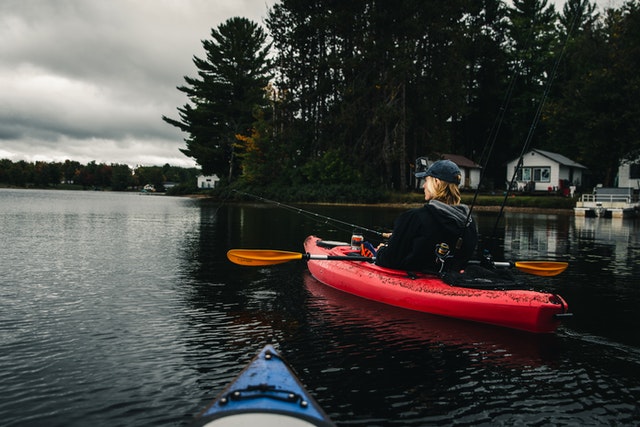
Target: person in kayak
{"type": "Point", "coordinates": [416, 243]}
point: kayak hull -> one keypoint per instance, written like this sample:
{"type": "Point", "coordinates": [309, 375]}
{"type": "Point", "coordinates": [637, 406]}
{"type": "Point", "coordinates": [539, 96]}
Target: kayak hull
{"type": "Point", "coordinates": [526, 310]}
{"type": "Point", "coordinates": [266, 393]}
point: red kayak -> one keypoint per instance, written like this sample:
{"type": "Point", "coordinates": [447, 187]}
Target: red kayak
{"type": "Point", "coordinates": [527, 310]}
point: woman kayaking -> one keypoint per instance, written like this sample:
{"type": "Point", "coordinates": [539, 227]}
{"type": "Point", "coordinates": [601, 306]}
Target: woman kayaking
{"type": "Point", "coordinates": [439, 236]}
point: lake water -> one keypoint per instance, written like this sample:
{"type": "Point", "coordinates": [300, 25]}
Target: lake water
{"type": "Point", "coordinates": [122, 309]}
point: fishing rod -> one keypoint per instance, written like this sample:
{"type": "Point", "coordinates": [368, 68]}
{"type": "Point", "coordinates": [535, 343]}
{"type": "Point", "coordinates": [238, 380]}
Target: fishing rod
{"type": "Point", "coordinates": [314, 215]}
{"type": "Point", "coordinates": [491, 140]}
{"type": "Point", "coordinates": [536, 118]}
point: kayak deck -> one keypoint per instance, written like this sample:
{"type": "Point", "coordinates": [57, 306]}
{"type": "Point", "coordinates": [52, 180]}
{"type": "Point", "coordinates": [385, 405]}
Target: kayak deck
{"type": "Point", "coordinates": [527, 310]}
{"type": "Point", "coordinates": [266, 393]}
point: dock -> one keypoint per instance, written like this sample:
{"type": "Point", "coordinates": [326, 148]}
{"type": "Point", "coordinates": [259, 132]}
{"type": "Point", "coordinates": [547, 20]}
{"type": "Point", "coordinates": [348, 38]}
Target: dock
{"type": "Point", "coordinates": [609, 202]}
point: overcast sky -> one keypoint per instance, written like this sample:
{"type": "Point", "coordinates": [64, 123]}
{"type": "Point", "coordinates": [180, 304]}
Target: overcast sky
{"type": "Point", "coordinates": [90, 79]}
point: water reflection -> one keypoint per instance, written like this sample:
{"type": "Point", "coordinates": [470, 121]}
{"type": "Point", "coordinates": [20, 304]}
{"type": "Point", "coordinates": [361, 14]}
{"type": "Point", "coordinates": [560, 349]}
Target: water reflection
{"type": "Point", "coordinates": [536, 236]}
{"type": "Point", "coordinates": [120, 309]}
{"type": "Point", "coordinates": [617, 240]}
{"type": "Point", "coordinates": [480, 344]}
{"type": "Point", "coordinates": [598, 285]}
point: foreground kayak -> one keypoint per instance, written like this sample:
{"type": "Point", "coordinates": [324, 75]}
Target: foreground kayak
{"type": "Point", "coordinates": [266, 393]}
{"type": "Point", "coordinates": [526, 310]}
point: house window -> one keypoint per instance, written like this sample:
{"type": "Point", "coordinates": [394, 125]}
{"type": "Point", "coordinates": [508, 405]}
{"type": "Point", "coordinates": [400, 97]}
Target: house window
{"type": "Point", "coordinates": [634, 171]}
{"type": "Point", "coordinates": [534, 174]}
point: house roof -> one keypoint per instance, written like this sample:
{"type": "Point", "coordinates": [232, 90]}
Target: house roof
{"type": "Point", "coordinates": [461, 161]}
{"type": "Point", "coordinates": [559, 158]}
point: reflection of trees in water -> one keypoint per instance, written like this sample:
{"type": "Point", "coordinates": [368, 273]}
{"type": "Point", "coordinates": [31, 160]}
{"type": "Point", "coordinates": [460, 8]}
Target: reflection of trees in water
{"type": "Point", "coordinates": [536, 236]}
{"type": "Point", "coordinates": [233, 309]}
{"type": "Point", "coordinates": [421, 364]}
{"type": "Point", "coordinates": [265, 302]}
{"type": "Point", "coordinates": [612, 242]}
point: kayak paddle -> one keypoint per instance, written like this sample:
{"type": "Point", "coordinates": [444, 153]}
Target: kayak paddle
{"type": "Point", "coordinates": [261, 257]}
{"type": "Point", "coordinates": [542, 268]}
{"type": "Point", "coordinates": [537, 268]}
{"type": "Point", "coordinates": [258, 257]}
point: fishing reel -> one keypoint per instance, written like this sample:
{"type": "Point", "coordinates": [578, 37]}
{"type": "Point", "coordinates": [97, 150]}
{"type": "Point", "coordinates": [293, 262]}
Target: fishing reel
{"type": "Point", "coordinates": [443, 252]}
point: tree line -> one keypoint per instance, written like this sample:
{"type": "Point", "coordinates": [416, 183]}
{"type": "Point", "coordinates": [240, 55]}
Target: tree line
{"type": "Point", "coordinates": [116, 177]}
{"type": "Point", "coordinates": [335, 94]}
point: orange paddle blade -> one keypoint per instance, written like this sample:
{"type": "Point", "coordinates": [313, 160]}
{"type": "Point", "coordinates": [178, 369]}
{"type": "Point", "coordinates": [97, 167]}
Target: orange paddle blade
{"type": "Point", "coordinates": [542, 268]}
{"type": "Point", "coordinates": [258, 257]}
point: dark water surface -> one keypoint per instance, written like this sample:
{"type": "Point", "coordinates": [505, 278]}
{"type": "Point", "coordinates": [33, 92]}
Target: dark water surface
{"type": "Point", "coordinates": [121, 309]}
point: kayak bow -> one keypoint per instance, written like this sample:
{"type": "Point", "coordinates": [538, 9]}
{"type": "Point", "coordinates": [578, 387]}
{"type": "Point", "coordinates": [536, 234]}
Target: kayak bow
{"type": "Point", "coordinates": [266, 393]}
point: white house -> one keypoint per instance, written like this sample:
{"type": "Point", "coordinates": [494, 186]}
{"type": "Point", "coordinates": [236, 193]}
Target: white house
{"type": "Point", "coordinates": [629, 174]}
{"type": "Point", "coordinates": [545, 171]}
{"type": "Point", "coordinates": [208, 181]}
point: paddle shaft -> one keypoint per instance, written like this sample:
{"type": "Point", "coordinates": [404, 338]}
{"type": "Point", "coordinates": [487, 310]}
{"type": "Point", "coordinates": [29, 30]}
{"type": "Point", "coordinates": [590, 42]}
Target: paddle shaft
{"type": "Point", "coordinates": [339, 257]}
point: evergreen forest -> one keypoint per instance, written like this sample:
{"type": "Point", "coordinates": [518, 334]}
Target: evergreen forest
{"type": "Point", "coordinates": [332, 100]}
{"type": "Point", "coordinates": [328, 97]}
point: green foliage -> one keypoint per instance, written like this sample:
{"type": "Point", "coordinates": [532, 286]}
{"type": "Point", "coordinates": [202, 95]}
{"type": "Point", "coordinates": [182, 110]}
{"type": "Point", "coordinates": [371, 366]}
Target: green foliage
{"type": "Point", "coordinates": [363, 88]}
{"type": "Point", "coordinates": [333, 167]}
{"type": "Point", "coordinates": [594, 116]}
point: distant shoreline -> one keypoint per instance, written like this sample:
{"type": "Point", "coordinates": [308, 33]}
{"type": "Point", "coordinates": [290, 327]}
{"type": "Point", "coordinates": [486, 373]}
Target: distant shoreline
{"type": "Point", "coordinates": [398, 205]}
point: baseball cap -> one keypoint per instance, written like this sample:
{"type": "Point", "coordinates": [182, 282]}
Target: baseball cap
{"type": "Point", "coordinates": [444, 170]}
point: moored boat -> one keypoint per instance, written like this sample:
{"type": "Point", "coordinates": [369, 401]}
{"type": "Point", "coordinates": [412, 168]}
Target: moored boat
{"type": "Point", "coordinates": [266, 393]}
{"type": "Point", "coordinates": [522, 309]}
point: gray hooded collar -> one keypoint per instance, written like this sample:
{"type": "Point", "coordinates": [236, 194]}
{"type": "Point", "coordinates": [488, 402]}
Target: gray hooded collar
{"type": "Point", "coordinates": [457, 213]}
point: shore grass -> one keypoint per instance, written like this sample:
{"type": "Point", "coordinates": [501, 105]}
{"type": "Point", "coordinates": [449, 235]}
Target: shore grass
{"type": "Point", "coordinates": [541, 201]}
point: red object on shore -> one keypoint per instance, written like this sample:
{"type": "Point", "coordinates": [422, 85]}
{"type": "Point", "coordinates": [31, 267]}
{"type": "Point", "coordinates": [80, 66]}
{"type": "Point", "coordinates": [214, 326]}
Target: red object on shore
{"type": "Point", "coordinates": [526, 310]}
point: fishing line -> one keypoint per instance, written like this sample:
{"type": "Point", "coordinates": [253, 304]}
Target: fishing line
{"type": "Point", "coordinates": [493, 134]}
{"type": "Point", "coordinates": [536, 118]}
{"type": "Point", "coordinates": [313, 215]}
{"type": "Point", "coordinates": [489, 145]}
{"type": "Point", "coordinates": [487, 150]}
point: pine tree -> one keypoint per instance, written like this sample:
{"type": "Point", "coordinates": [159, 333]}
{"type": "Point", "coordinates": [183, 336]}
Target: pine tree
{"type": "Point", "coordinates": [223, 98]}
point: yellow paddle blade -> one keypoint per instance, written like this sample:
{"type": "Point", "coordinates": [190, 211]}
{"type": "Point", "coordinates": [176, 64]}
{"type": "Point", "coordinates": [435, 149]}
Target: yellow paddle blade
{"type": "Point", "coordinates": [542, 268]}
{"type": "Point", "coordinates": [258, 257]}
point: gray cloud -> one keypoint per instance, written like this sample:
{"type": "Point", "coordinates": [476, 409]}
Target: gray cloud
{"type": "Point", "coordinates": [90, 79]}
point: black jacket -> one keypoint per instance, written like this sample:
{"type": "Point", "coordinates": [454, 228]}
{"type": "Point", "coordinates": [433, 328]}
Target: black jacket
{"type": "Point", "coordinates": [416, 233]}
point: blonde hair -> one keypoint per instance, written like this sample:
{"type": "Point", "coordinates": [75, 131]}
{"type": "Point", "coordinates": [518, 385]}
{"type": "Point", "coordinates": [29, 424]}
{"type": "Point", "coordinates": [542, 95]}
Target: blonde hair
{"type": "Point", "coordinates": [445, 192]}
